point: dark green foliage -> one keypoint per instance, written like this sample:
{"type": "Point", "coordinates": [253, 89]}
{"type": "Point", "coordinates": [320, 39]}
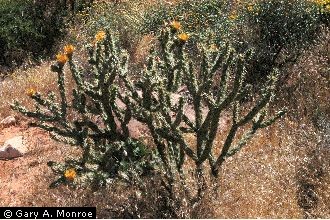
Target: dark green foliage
{"type": "Point", "coordinates": [280, 32]}
{"type": "Point", "coordinates": [28, 29]}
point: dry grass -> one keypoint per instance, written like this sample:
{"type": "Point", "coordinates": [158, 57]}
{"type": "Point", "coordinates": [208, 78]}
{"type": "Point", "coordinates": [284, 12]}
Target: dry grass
{"type": "Point", "coordinates": [15, 87]}
{"type": "Point", "coordinates": [261, 181]}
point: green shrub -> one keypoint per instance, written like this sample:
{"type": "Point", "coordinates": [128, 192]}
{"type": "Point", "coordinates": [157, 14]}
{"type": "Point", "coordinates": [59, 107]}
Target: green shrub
{"type": "Point", "coordinates": [28, 29]}
{"type": "Point", "coordinates": [94, 120]}
{"type": "Point", "coordinates": [280, 32]}
{"type": "Point", "coordinates": [206, 20]}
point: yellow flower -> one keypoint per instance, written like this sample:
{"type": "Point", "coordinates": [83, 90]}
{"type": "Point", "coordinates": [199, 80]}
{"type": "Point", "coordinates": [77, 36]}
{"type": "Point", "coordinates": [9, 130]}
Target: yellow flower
{"type": "Point", "coordinates": [62, 58]}
{"type": "Point", "coordinates": [70, 174]}
{"type": "Point", "coordinates": [100, 36]}
{"type": "Point", "coordinates": [327, 8]}
{"type": "Point", "coordinates": [175, 25]}
{"type": "Point", "coordinates": [183, 37]}
{"type": "Point", "coordinates": [320, 2]}
{"type": "Point", "coordinates": [233, 16]}
{"type": "Point", "coordinates": [68, 49]}
{"type": "Point", "coordinates": [31, 92]}
{"type": "Point", "coordinates": [250, 8]}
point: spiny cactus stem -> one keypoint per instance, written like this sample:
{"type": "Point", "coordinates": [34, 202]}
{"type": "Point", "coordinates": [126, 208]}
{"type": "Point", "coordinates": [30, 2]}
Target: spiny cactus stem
{"type": "Point", "coordinates": [61, 82]}
{"type": "Point", "coordinates": [86, 154]}
{"type": "Point", "coordinates": [48, 118]}
{"type": "Point", "coordinates": [91, 125]}
{"type": "Point", "coordinates": [161, 148]}
{"type": "Point", "coordinates": [273, 119]}
{"type": "Point", "coordinates": [216, 110]}
{"type": "Point", "coordinates": [187, 149]}
{"type": "Point", "coordinates": [209, 136]}
{"type": "Point", "coordinates": [190, 79]}
{"type": "Point", "coordinates": [181, 159]}
{"type": "Point", "coordinates": [218, 60]}
{"type": "Point", "coordinates": [225, 149]}
{"type": "Point", "coordinates": [229, 59]}
{"type": "Point", "coordinates": [45, 126]}
{"type": "Point", "coordinates": [200, 136]}
{"type": "Point", "coordinates": [76, 74]}
{"type": "Point", "coordinates": [46, 102]}
{"type": "Point", "coordinates": [108, 116]}
{"type": "Point", "coordinates": [245, 138]}
{"type": "Point", "coordinates": [124, 124]}
{"type": "Point", "coordinates": [179, 115]}
{"type": "Point", "coordinates": [254, 111]}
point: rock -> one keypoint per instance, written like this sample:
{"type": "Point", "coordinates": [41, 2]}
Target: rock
{"type": "Point", "coordinates": [13, 148]}
{"type": "Point", "coordinates": [8, 121]}
{"type": "Point", "coordinates": [137, 129]}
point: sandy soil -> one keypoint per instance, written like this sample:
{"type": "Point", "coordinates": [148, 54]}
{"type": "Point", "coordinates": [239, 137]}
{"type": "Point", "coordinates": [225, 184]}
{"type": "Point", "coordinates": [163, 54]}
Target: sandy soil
{"type": "Point", "coordinates": [20, 178]}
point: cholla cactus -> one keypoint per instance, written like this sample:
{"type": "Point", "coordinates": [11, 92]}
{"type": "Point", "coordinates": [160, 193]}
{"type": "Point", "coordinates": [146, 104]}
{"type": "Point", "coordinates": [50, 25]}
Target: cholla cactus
{"type": "Point", "coordinates": [212, 87]}
{"type": "Point", "coordinates": [152, 101]}
{"type": "Point", "coordinates": [93, 103]}
{"type": "Point", "coordinates": [92, 119]}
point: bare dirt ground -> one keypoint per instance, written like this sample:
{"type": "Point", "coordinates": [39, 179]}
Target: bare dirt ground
{"type": "Point", "coordinates": [261, 181]}
{"type": "Point", "coordinates": [22, 177]}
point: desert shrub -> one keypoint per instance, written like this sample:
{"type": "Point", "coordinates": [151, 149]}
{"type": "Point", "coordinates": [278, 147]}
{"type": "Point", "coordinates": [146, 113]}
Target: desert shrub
{"type": "Point", "coordinates": [281, 31]}
{"type": "Point", "coordinates": [278, 31]}
{"type": "Point", "coordinates": [105, 100]}
{"type": "Point", "coordinates": [206, 20]}
{"type": "Point", "coordinates": [28, 29]}
{"type": "Point", "coordinates": [323, 7]}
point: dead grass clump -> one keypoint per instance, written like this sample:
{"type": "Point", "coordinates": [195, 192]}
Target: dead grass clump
{"type": "Point", "coordinates": [40, 78]}
{"type": "Point", "coordinates": [313, 176]}
{"type": "Point", "coordinates": [258, 182]}
{"type": "Point", "coordinates": [306, 94]}
{"type": "Point", "coordinates": [308, 86]}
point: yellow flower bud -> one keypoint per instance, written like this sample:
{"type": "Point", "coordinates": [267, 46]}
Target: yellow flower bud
{"type": "Point", "coordinates": [68, 49]}
{"type": "Point", "coordinates": [250, 8]}
{"type": "Point", "coordinates": [61, 58]}
{"type": "Point", "coordinates": [70, 174]}
{"type": "Point", "coordinates": [100, 36]}
{"type": "Point", "coordinates": [183, 37]}
{"type": "Point", "coordinates": [31, 92]}
{"type": "Point", "coordinates": [175, 25]}
{"type": "Point", "coordinates": [233, 16]}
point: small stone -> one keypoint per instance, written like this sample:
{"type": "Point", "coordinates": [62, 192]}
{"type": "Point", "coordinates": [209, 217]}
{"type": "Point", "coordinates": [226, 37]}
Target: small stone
{"type": "Point", "coordinates": [13, 148]}
{"type": "Point", "coordinates": [8, 121]}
